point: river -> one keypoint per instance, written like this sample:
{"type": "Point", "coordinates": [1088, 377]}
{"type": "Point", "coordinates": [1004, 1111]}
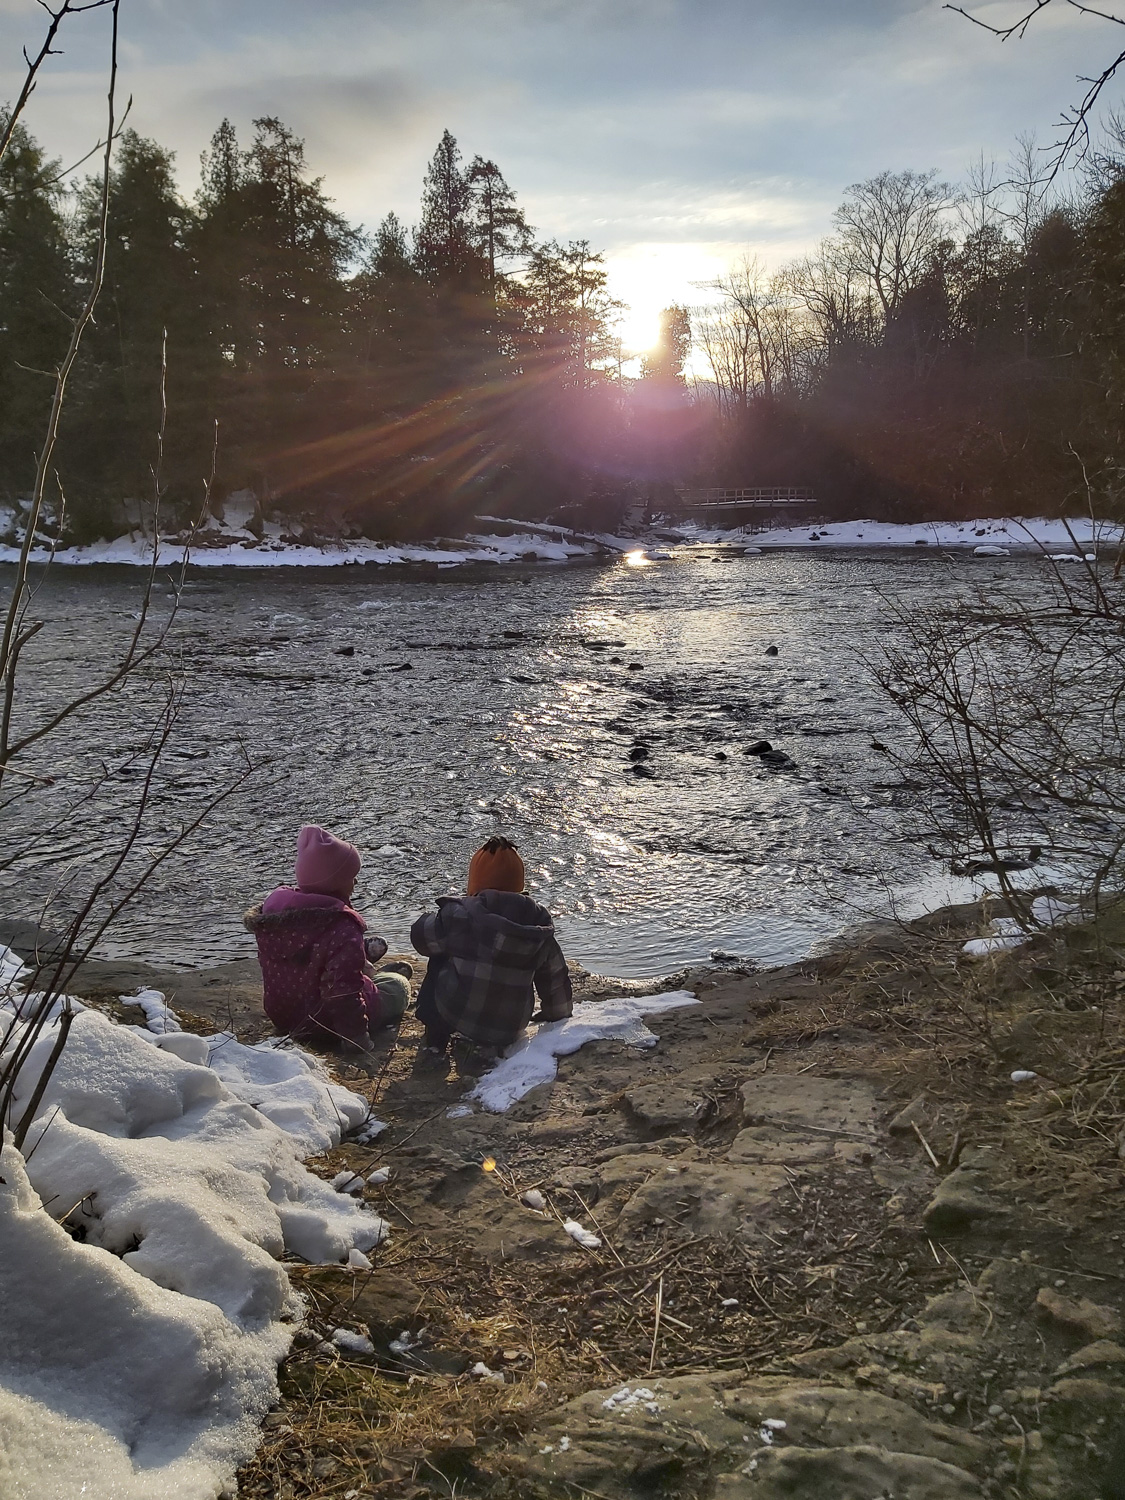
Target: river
{"type": "Point", "coordinates": [417, 714]}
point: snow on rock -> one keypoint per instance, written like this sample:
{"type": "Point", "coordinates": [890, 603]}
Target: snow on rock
{"type": "Point", "coordinates": [137, 1364]}
{"type": "Point", "coordinates": [13, 971]}
{"type": "Point", "coordinates": [282, 1081]}
{"type": "Point", "coordinates": [354, 1343]}
{"type": "Point", "coordinates": [291, 1088]}
{"type": "Point", "coordinates": [1007, 933]}
{"type": "Point", "coordinates": [158, 1017]}
{"type": "Point", "coordinates": [629, 1397]}
{"type": "Point", "coordinates": [534, 1058]}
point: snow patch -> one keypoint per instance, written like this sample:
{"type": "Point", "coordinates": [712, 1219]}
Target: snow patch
{"type": "Point", "coordinates": [533, 1059]}
{"type": "Point", "coordinates": [137, 1364]}
{"type": "Point", "coordinates": [582, 1236]}
{"type": "Point", "coordinates": [1007, 933]}
{"type": "Point", "coordinates": [1026, 534]}
{"type": "Point", "coordinates": [629, 1397]}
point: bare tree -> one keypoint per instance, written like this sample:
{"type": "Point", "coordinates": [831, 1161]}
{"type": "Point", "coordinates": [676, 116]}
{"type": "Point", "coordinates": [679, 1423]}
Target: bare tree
{"type": "Point", "coordinates": [1074, 126]}
{"type": "Point", "coordinates": [836, 298]}
{"type": "Point", "coordinates": [890, 226]}
{"type": "Point", "coordinates": [1015, 722]}
{"type": "Point", "coordinates": [127, 867]}
{"type": "Point", "coordinates": [753, 338]}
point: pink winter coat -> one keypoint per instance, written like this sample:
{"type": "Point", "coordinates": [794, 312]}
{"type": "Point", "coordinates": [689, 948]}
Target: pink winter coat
{"type": "Point", "coordinates": [311, 951]}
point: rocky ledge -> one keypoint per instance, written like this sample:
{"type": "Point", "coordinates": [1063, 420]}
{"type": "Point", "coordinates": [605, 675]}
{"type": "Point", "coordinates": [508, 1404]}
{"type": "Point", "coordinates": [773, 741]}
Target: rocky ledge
{"type": "Point", "coordinates": [852, 1229]}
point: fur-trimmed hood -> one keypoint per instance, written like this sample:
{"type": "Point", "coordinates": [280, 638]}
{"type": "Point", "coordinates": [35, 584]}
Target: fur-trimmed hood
{"type": "Point", "coordinates": [258, 920]}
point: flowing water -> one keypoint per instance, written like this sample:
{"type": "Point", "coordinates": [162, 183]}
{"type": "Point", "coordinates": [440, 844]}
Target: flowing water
{"type": "Point", "coordinates": [416, 715]}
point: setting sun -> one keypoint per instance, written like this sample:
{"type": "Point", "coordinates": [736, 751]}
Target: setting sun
{"type": "Point", "coordinates": [649, 278]}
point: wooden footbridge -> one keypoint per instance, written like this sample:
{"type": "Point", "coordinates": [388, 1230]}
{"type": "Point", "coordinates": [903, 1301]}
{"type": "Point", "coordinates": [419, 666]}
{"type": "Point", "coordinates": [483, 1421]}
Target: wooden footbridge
{"type": "Point", "coordinates": [766, 504]}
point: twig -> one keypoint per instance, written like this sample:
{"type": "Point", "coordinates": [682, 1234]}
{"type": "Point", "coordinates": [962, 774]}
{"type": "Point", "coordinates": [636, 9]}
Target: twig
{"type": "Point", "coordinates": [656, 1324]}
{"type": "Point", "coordinates": [926, 1144]}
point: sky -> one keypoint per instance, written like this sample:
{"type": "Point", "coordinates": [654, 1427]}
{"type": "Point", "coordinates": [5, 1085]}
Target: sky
{"type": "Point", "coordinates": [674, 135]}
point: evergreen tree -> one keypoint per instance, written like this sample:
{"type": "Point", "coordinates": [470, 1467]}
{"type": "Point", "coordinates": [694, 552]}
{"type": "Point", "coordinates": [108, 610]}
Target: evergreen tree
{"type": "Point", "coordinates": [36, 293]}
{"type": "Point", "coordinates": [273, 256]}
{"type": "Point", "coordinates": [667, 359]}
{"type": "Point", "coordinates": [497, 222]}
{"type": "Point", "coordinates": [148, 294]}
{"type": "Point", "coordinates": [445, 242]}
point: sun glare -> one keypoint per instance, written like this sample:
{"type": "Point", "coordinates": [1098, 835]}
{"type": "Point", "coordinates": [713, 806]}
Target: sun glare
{"type": "Point", "coordinates": [649, 278]}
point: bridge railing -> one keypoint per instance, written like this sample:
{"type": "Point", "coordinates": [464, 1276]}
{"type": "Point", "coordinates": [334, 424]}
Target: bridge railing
{"type": "Point", "coordinates": [749, 495]}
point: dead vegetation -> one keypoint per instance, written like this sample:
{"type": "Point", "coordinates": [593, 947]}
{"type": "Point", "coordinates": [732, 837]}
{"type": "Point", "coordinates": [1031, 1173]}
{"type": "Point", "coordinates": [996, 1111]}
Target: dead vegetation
{"type": "Point", "coordinates": [843, 1259]}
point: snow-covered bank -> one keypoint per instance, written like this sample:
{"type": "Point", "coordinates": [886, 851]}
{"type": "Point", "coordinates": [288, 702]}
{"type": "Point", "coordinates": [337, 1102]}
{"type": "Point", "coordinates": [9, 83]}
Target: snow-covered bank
{"type": "Point", "coordinates": [226, 548]}
{"type": "Point", "coordinates": [1037, 534]}
{"type": "Point", "coordinates": [140, 1348]}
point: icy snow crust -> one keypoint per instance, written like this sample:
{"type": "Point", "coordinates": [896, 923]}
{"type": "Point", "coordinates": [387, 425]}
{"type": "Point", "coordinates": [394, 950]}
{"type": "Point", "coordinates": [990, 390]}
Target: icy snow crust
{"type": "Point", "coordinates": [138, 1364]}
{"type": "Point", "coordinates": [226, 548]}
{"type": "Point", "coordinates": [228, 545]}
{"type": "Point", "coordinates": [534, 1058]}
{"type": "Point", "coordinates": [1017, 535]}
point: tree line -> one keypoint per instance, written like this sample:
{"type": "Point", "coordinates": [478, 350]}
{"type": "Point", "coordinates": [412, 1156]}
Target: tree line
{"type": "Point", "coordinates": [391, 382]}
{"type": "Point", "coordinates": [948, 351]}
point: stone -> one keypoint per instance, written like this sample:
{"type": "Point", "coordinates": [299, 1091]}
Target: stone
{"type": "Point", "coordinates": [1078, 1316]}
{"type": "Point", "coordinates": [1090, 1356]}
{"type": "Point", "coordinates": [850, 1473]}
{"type": "Point", "coordinates": [723, 1200]}
{"type": "Point", "coordinates": [914, 1114]}
{"type": "Point", "coordinates": [831, 1417]}
{"type": "Point", "coordinates": [1075, 1406]}
{"type": "Point", "coordinates": [776, 1143]}
{"type": "Point", "coordinates": [384, 1301]}
{"type": "Point", "coordinates": [764, 1438]}
{"type": "Point", "coordinates": [661, 1108]}
{"type": "Point", "coordinates": [759, 747]}
{"type": "Point", "coordinates": [837, 1106]}
{"type": "Point", "coordinates": [966, 1196]}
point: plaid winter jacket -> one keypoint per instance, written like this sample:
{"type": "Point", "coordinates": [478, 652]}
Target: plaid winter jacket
{"type": "Point", "coordinates": [487, 952]}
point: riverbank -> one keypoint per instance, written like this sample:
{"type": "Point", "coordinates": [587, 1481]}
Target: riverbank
{"type": "Point", "coordinates": [858, 1224]}
{"type": "Point", "coordinates": [225, 545]}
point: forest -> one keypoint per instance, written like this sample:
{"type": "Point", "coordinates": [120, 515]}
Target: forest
{"type": "Point", "coordinates": [948, 351]}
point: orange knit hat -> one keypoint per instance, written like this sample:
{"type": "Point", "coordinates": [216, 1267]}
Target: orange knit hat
{"type": "Point", "coordinates": [496, 866]}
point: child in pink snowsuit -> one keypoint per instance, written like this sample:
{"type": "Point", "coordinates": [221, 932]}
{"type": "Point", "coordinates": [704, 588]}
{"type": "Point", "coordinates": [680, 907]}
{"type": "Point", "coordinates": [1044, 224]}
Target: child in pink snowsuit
{"type": "Point", "coordinates": [317, 982]}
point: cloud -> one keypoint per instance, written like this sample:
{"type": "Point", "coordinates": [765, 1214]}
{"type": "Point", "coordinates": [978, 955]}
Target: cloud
{"type": "Point", "coordinates": [634, 123]}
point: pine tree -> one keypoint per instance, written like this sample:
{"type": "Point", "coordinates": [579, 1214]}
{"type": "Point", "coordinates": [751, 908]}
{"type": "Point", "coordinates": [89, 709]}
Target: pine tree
{"type": "Point", "coordinates": [148, 306]}
{"type": "Point", "coordinates": [445, 243]}
{"type": "Point", "coordinates": [666, 361]}
{"type": "Point", "coordinates": [498, 225]}
{"type": "Point", "coordinates": [36, 293]}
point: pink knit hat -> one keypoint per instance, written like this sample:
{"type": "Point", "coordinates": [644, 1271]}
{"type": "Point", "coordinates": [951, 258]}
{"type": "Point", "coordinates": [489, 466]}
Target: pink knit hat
{"type": "Point", "coordinates": [325, 864]}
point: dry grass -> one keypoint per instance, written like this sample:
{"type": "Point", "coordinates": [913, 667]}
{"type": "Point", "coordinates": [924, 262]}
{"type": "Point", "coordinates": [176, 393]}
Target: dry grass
{"type": "Point", "coordinates": [918, 1019]}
